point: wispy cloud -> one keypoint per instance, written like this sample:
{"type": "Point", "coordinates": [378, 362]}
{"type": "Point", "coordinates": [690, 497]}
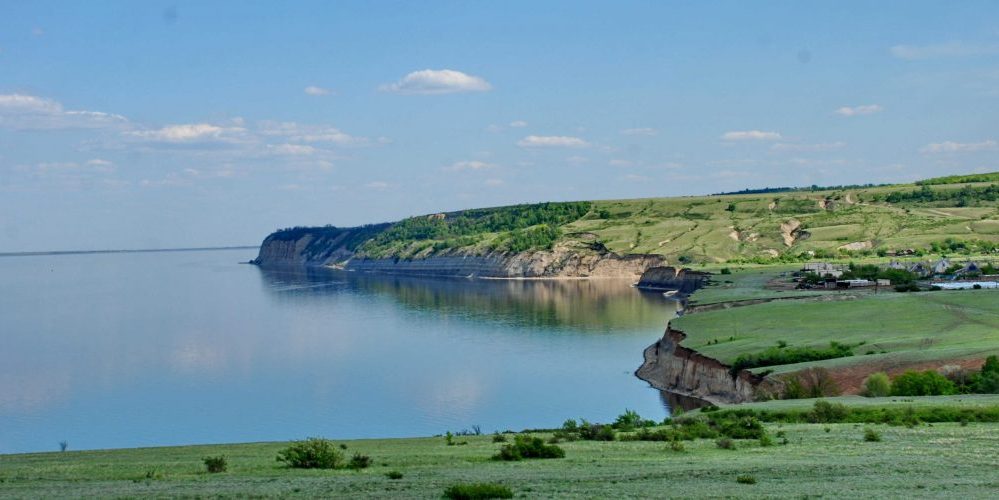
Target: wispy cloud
{"type": "Point", "coordinates": [941, 50]}
{"type": "Point", "coordinates": [959, 147]}
{"type": "Point", "coordinates": [317, 91]}
{"type": "Point", "coordinates": [442, 81]}
{"type": "Point", "coordinates": [518, 124]}
{"type": "Point", "coordinates": [191, 133]}
{"type": "Point", "coordinates": [297, 132]}
{"type": "Point", "coordinates": [866, 109]}
{"type": "Point", "coordinates": [23, 112]}
{"type": "Point", "coordinates": [646, 131]}
{"type": "Point", "coordinates": [807, 148]}
{"type": "Point", "coordinates": [552, 141]}
{"type": "Point", "coordinates": [377, 185]}
{"type": "Point", "coordinates": [751, 135]}
{"type": "Point", "coordinates": [468, 165]}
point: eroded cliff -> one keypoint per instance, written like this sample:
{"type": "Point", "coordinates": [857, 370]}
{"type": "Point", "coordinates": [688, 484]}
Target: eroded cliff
{"type": "Point", "coordinates": [684, 281]}
{"type": "Point", "coordinates": [672, 367]}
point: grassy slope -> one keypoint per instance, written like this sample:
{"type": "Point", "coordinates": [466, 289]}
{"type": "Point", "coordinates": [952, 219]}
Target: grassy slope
{"type": "Point", "coordinates": [944, 459]}
{"type": "Point", "coordinates": [713, 229]}
{"type": "Point", "coordinates": [913, 327]}
{"type": "Point", "coordinates": [703, 229]}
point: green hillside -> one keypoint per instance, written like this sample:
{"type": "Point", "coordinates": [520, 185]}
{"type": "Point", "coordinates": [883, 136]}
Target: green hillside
{"type": "Point", "coordinates": [939, 215]}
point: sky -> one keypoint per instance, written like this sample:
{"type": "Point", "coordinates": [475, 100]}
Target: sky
{"type": "Point", "coordinates": [130, 125]}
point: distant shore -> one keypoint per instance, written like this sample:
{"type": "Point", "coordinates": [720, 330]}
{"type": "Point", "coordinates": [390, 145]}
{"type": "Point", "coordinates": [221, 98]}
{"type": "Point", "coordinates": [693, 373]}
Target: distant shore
{"type": "Point", "coordinates": [139, 250]}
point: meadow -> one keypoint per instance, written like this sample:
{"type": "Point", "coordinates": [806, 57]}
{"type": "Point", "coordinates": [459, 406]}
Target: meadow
{"type": "Point", "coordinates": [885, 329]}
{"type": "Point", "coordinates": [808, 460]}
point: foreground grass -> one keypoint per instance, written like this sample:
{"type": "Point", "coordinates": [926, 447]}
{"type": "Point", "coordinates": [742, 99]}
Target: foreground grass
{"type": "Point", "coordinates": [818, 460]}
{"type": "Point", "coordinates": [895, 328]}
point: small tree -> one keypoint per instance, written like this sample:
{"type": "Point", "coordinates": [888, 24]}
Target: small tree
{"type": "Point", "coordinates": [927, 383]}
{"type": "Point", "coordinates": [877, 385]}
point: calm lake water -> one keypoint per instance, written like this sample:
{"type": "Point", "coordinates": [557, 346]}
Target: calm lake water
{"type": "Point", "coordinates": [125, 350]}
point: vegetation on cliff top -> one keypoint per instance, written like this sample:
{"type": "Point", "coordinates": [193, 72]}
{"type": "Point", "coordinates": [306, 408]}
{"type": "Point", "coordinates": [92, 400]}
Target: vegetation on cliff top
{"type": "Point", "coordinates": [756, 226]}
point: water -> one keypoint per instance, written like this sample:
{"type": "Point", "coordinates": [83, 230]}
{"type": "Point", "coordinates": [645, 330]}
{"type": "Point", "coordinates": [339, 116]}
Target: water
{"type": "Point", "coordinates": [125, 350]}
{"type": "Point", "coordinates": [965, 285]}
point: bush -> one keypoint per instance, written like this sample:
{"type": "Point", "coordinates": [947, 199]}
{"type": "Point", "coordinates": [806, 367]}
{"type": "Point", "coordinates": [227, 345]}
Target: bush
{"type": "Point", "coordinates": [359, 461]}
{"type": "Point", "coordinates": [393, 474]}
{"type": "Point", "coordinates": [528, 447]}
{"type": "Point", "coordinates": [987, 381]}
{"type": "Point", "coordinates": [809, 383]}
{"type": "Point", "coordinates": [746, 479]}
{"type": "Point", "coordinates": [476, 491]}
{"type": "Point", "coordinates": [313, 453]}
{"type": "Point", "coordinates": [629, 420]}
{"type": "Point", "coordinates": [779, 355]}
{"type": "Point", "coordinates": [725, 443]}
{"type": "Point", "coordinates": [677, 446]}
{"type": "Point", "coordinates": [742, 428]}
{"type": "Point", "coordinates": [872, 436]}
{"type": "Point", "coordinates": [877, 385]}
{"type": "Point", "coordinates": [926, 383]}
{"type": "Point", "coordinates": [499, 438]}
{"type": "Point", "coordinates": [766, 440]}
{"type": "Point", "coordinates": [216, 464]}
{"type": "Point", "coordinates": [824, 412]}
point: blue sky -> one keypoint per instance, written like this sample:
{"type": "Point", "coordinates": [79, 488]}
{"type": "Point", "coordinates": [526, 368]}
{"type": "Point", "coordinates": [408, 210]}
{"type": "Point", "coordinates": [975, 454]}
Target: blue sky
{"type": "Point", "coordinates": [144, 124]}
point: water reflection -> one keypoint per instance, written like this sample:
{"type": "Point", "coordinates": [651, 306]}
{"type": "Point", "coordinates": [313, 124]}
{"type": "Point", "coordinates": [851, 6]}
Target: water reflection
{"type": "Point", "coordinates": [583, 305]}
{"type": "Point", "coordinates": [188, 347]}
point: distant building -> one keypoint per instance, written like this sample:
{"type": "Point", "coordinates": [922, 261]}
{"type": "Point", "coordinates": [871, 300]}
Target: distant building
{"type": "Point", "coordinates": [941, 266]}
{"type": "Point", "coordinates": [824, 269]}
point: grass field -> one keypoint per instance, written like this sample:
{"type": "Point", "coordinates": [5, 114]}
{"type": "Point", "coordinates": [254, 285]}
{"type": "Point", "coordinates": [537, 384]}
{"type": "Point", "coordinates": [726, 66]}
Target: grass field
{"type": "Point", "coordinates": [829, 460]}
{"type": "Point", "coordinates": [894, 327]}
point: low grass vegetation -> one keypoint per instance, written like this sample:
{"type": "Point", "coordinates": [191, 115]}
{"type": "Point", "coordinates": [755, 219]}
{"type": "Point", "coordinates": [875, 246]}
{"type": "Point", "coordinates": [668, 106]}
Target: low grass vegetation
{"type": "Point", "coordinates": [811, 448]}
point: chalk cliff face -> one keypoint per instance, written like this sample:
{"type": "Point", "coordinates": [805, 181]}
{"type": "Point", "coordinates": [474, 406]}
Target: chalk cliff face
{"type": "Point", "coordinates": [568, 259]}
{"type": "Point", "coordinates": [671, 278]}
{"type": "Point", "coordinates": [671, 367]}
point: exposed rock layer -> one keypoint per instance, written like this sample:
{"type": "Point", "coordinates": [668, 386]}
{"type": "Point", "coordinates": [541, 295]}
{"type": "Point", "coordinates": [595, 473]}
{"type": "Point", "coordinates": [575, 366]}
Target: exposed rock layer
{"type": "Point", "coordinates": [684, 281]}
{"type": "Point", "coordinates": [572, 259]}
{"type": "Point", "coordinates": [671, 367]}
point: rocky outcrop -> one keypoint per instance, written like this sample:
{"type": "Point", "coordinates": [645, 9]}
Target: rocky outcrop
{"type": "Point", "coordinates": [336, 247]}
{"type": "Point", "coordinates": [671, 367]}
{"type": "Point", "coordinates": [682, 280]}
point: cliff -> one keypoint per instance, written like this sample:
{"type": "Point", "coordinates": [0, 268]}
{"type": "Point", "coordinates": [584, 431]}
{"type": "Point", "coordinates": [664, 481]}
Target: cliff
{"type": "Point", "coordinates": [338, 247]}
{"type": "Point", "coordinates": [671, 367]}
{"type": "Point", "coordinates": [684, 281]}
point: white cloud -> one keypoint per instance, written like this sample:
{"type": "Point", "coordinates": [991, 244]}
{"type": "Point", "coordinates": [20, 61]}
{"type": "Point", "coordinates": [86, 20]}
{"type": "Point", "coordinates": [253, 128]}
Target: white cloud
{"type": "Point", "coordinates": [190, 133]}
{"type": "Point", "coordinates": [22, 111]}
{"type": "Point", "coordinates": [751, 135]}
{"type": "Point", "coordinates": [959, 147]}
{"type": "Point", "coordinates": [635, 178]}
{"type": "Point", "coordinates": [867, 109]}
{"type": "Point", "coordinates": [646, 131]}
{"type": "Point", "coordinates": [948, 49]}
{"type": "Point", "coordinates": [376, 185]}
{"type": "Point", "coordinates": [313, 133]}
{"type": "Point", "coordinates": [518, 124]}
{"type": "Point", "coordinates": [469, 165]}
{"type": "Point", "coordinates": [620, 163]}
{"type": "Point", "coordinates": [552, 141]}
{"type": "Point", "coordinates": [494, 182]}
{"type": "Point", "coordinates": [443, 81]}
{"type": "Point", "coordinates": [291, 149]}
{"type": "Point", "coordinates": [577, 160]}
{"type": "Point", "coordinates": [317, 91]}
{"type": "Point", "coordinates": [807, 148]}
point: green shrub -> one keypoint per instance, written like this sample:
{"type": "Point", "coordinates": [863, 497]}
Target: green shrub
{"type": "Point", "coordinates": [499, 438]}
{"type": "Point", "coordinates": [677, 446]}
{"type": "Point", "coordinates": [359, 461]}
{"type": "Point", "coordinates": [766, 440]}
{"type": "Point", "coordinates": [987, 381]}
{"type": "Point", "coordinates": [725, 443]}
{"type": "Point", "coordinates": [742, 428]}
{"type": "Point", "coordinates": [393, 474]}
{"type": "Point", "coordinates": [778, 355]}
{"type": "Point", "coordinates": [824, 412]}
{"type": "Point", "coordinates": [477, 491]}
{"type": "Point", "coordinates": [629, 420]}
{"type": "Point", "coordinates": [313, 453]}
{"type": "Point", "coordinates": [809, 383]}
{"type": "Point", "coordinates": [216, 464]}
{"type": "Point", "coordinates": [926, 383]}
{"type": "Point", "coordinates": [528, 447]}
{"type": "Point", "coordinates": [871, 435]}
{"type": "Point", "coordinates": [877, 385]}
{"type": "Point", "coordinates": [746, 479]}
